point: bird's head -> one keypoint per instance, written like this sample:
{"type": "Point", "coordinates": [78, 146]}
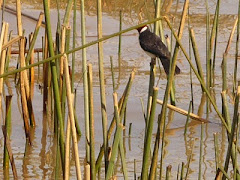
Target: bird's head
{"type": "Point", "coordinates": [141, 29]}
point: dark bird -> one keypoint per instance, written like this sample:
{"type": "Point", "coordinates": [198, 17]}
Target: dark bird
{"type": "Point", "coordinates": [154, 47]}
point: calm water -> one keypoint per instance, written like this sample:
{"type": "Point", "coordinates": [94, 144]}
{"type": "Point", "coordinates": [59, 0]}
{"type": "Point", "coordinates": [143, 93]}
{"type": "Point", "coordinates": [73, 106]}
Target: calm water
{"type": "Point", "coordinates": [39, 160]}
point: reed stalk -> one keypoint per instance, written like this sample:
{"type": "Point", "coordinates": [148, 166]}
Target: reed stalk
{"type": "Point", "coordinates": [71, 115]}
{"type": "Point", "coordinates": [102, 82]}
{"type": "Point", "coordinates": [200, 154]}
{"type": "Point", "coordinates": [231, 36]}
{"type": "Point", "coordinates": [35, 34]}
{"type": "Point", "coordinates": [199, 78]}
{"type": "Point", "coordinates": [67, 150]}
{"type": "Point", "coordinates": [74, 42]}
{"type": "Point", "coordinates": [2, 61]}
{"type": "Point", "coordinates": [236, 52]}
{"type": "Point", "coordinates": [54, 80]}
{"type": "Point", "coordinates": [168, 172]}
{"type": "Point", "coordinates": [31, 73]}
{"type": "Point", "coordinates": [25, 113]}
{"type": "Point", "coordinates": [91, 123]}
{"type": "Point", "coordinates": [215, 135]}
{"type": "Point", "coordinates": [147, 142]}
{"type": "Point", "coordinates": [85, 82]}
{"type": "Point", "coordinates": [167, 92]}
{"type": "Point", "coordinates": [224, 72]}
{"type": "Point", "coordinates": [189, 160]}
{"type": "Point", "coordinates": [112, 71]}
{"type": "Point", "coordinates": [230, 150]}
{"type": "Point", "coordinates": [225, 109]}
{"type": "Point", "coordinates": [116, 140]}
{"type": "Point", "coordinates": [67, 13]}
{"type": "Point", "coordinates": [196, 54]}
{"type": "Point", "coordinates": [122, 105]}
{"type": "Point", "coordinates": [7, 128]}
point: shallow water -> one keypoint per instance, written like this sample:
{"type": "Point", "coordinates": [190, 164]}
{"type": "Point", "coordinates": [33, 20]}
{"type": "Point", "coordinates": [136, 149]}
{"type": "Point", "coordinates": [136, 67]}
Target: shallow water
{"type": "Point", "coordinates": [39, 161]}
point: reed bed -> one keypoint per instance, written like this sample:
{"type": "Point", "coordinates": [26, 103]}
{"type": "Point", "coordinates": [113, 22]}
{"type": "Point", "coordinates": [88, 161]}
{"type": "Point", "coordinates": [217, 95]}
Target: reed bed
{"type": "Point", "coordinates": [59, 99]}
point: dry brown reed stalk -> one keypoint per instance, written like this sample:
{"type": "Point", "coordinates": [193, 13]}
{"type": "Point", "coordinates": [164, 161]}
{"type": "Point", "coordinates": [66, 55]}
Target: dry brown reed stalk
{"type": "Point", "coordinates": [31, 71]}
{"type": "Point", "coordinates": [12, 41]}
{"type": "Point", "coordinates": [231, 36]}
{"type": "Point", "coordinates": [2, 61]}
{"type": "Point", "coordinates": [184, 112]}
{"type": "Point", "coordinates": [87, 172]}
{"type": "Point", "coordinates": [62, 50]}
{"type": "Point", "coordinates": [23, 92]}
{"type": "Point", "coordinates": [67, 147]}
{"type": "Point", "coordinates": [71, 115]}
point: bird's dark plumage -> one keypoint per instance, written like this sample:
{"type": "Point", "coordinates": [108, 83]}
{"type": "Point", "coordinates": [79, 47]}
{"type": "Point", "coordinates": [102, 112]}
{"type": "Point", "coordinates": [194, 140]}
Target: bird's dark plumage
{"type": "Point", "coordinates": [151, 43]}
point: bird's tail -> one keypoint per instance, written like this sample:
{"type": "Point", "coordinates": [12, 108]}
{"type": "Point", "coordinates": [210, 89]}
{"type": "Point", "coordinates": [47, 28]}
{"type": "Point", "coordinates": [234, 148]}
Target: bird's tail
{"type": "Point", "coordinates": [166, 65]}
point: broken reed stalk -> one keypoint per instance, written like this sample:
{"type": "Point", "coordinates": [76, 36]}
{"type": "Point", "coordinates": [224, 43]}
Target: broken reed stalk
{"type": "Point", "coordinates": [184, 112]}
{"type": "Point", "coordinates": [199, 78]}
{"type": "Point", "coordinates": [91, 123]}
{"type": "Point", "coordinates": [54, 80]}
{"type": "Point", "coordinates": [35, 34]}
{"type": "Point", "coordinates": [122, 105]}
{"type": "Point", "coordinates": [116, 140]}
{"type": "Point", "coordinates": [147, 141]}
{"type": "Point", "coordinates": [168, 172]}
{"type": "Point", "coordinates": [7, 128]}
{"type": "Point", "coordinates": [230, 151]}
{"type": "Point", "coordinates": [167, 91]}
{"type": "Point", "coordinates": [85, 82]}
{"type": "Point", "coordinates": [23, 92]}
{"type": "Point", "coordinates": [71, 115]}
{"type": "Point", "coordinates": [231, 36]}
{"type": "Point", "coordinates": [102, 81]}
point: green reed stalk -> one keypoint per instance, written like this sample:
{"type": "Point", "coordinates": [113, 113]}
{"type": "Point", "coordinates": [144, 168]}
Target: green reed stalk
{"type": "Point", "coordinates": [35, 34]}
{"type": "Point", "coordinates": [122, 105]}
{"type": "Point", "coordinates": [167, 92]}
{"type": "Point", "coordinates": [224, 72]}
{"type": "Point", "coordinates": [147, 142]}
{"type": "Point", "coordinates": [54, 80]}
{"type": "Point", "coordinates": [230, 150]}
{"type": "Point", "coordinates": [91, 123]}
{"type": "Point", "coordinates": [112, 71]}
{"type": "Point", "coordinates": [116, 140]}
{"type": "Point", "coordinates": [85, 82]}
{"type": "Point", "coordinates": [236, 174]}
{"type": "Point", "coordinates": [74, 41]}
{"type": "Point", "coordinates": [225, 109]}
{"type": "Point", "coordinates": [196, 54]}
{"type": "Point", "coordinates": [168, 172]}
{"type": "Point", "coordinates": [188, 117]}
{"type": "Point", "coordinates": [199, 78]}
{"type": "Point", "coordinates": [8, 126]}
{"type": "Point", "coordinates": [236, 51]}
{"type": "Point", "coordinates": [102, 82]}
{"type": "Point", "coordinates": [67, 12]}
{"type": "Point", "coordinates": [215, 32]}
{"type": "Point", "coordinates": [215, 135]}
